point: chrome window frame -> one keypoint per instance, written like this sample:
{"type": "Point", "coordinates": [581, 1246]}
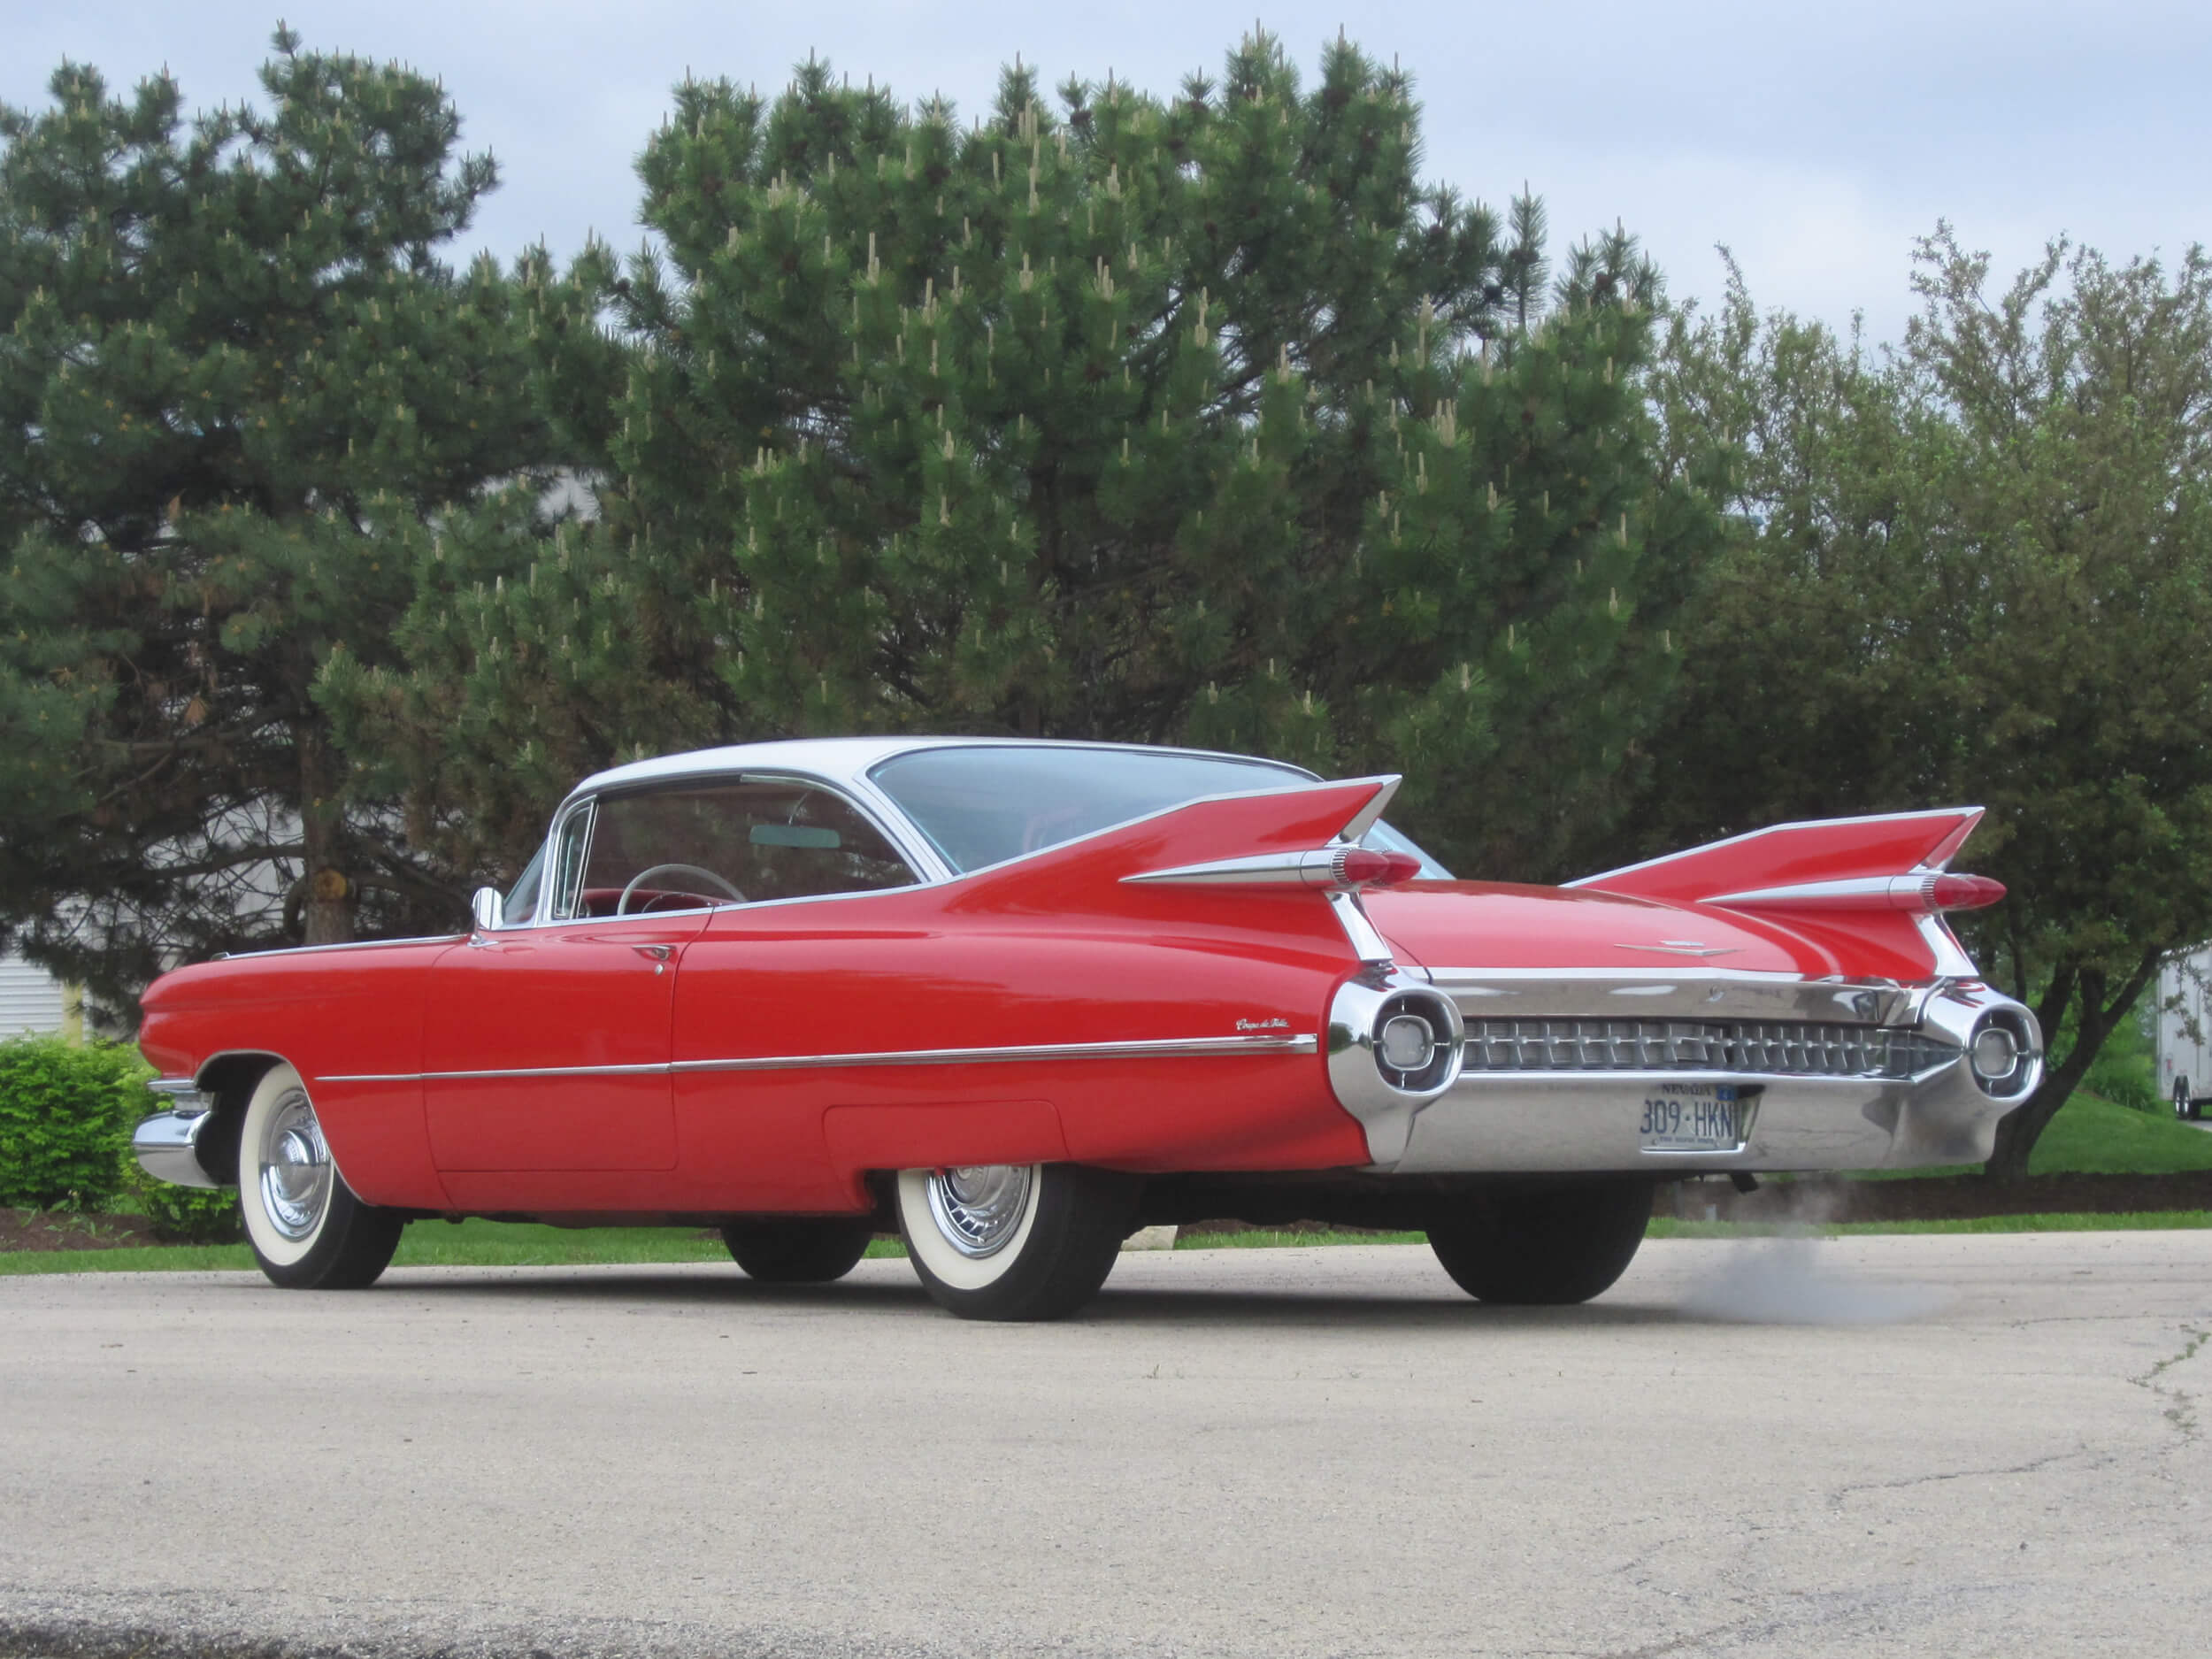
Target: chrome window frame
{"type": "Point", "coordinates": [900, 844]}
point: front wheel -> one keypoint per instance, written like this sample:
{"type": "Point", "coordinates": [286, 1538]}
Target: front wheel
{"type": "Point", "coordinates": [307, 1229]}
{"type": "Point", "coordinates": [807, 1252]}
{"type": "Point", "coordinates": [1014, 1240]}
{"type": "Point", "coordinates": [1544, 1248]}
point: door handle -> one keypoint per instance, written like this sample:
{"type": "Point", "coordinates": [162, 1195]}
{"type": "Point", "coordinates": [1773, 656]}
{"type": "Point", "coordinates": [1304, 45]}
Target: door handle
{"type": "Point", "coordinates": [658, 953]}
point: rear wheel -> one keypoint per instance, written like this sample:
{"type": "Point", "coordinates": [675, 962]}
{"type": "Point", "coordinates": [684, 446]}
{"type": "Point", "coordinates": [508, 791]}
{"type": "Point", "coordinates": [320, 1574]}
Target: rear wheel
{"type": "Point", "coordinates": [307, 1229]}
{"type": "Point", "coordinates": [1545, 1246]}
{"type": "Point", "coordinates": [2185, 1103]}
{"type": "Point", "coordinates": [1014, 1240]}
{"type": "Point", "coordinates": [805, 1252]}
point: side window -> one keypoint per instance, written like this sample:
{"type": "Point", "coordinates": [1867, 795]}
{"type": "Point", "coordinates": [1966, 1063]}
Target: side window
{"type": "Point", "coordinates": [568, 861]}
{"type": "Point", "coordinates": [689, 845]}
{"type": "Point", "coordinates": [521, 906]}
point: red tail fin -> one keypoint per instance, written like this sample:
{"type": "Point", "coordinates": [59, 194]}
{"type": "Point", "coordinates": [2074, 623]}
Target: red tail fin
{"type": "Point", "coordinates": [1270, 828]}
{"type": "Point", "coordinates": [1867, 890]}
{"type": "Point", "coordinates": [1784, 856]}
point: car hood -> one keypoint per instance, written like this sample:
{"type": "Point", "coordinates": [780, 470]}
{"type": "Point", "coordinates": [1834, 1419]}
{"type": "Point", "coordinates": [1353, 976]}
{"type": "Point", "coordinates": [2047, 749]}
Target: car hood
{"type": "Point", "coordinates": [1442, 924]}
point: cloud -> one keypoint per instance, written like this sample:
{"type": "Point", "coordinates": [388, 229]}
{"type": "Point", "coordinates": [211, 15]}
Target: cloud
{"type": "Point", "coordinates": [1815, 141]}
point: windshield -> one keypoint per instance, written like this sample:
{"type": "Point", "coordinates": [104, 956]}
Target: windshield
{"type": "Point", "coordinates": [990, 803]}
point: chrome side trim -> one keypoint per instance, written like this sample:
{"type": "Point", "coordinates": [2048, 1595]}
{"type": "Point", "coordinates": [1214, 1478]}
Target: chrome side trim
{"type": "Point", "coordinates": [1319, 868]}
{"type": "Point", "coordinates": [1687, 993]}
{"type": "Point", "coordinates": [1140, 1049]}
{"type": "Point", "coordinates": [1951, 960]}
{"type": "Point", "coordinates": [350, 944]}
{"type": "Point", "coordinates": [1913, 891]}
{"type": "Point", "coordinates": [1368, 945]}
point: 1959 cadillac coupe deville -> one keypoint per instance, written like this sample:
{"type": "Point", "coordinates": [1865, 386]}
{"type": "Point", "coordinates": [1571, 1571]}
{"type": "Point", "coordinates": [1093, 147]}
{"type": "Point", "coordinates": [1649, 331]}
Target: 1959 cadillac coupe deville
{"type": "Point", "coordinates": [1017, 999]}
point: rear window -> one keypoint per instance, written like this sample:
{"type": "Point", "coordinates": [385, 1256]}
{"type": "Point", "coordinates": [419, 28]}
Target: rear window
{"type": "Point", "coordinates": [985, 804]}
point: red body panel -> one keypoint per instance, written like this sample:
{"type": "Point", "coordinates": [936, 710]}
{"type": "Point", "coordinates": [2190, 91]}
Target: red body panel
{"type": "Point", "coordinates": [599, 994]}
{"type": "Point", "coordinates": [353, 1011]}
{"type": "Point", "coordinates": [1492, 925]}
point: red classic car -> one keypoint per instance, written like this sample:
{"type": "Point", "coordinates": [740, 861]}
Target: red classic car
{"type": "Point", "coordinates": [1017, 999]}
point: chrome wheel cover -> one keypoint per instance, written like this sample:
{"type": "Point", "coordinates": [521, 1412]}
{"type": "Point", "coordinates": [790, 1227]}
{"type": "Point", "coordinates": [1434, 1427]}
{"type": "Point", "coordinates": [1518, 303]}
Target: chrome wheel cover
{"type": "Point", "coordinates": [978, 1206]}
{"type": "Point", "coordinates": [294, 1165]}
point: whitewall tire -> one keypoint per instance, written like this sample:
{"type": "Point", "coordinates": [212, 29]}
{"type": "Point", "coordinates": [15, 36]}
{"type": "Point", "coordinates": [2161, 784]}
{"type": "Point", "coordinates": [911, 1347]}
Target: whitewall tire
{"type": "Point", "coordinates": [1014, 1241]}
{"type": "Point", "coordinates": [306, 1228]}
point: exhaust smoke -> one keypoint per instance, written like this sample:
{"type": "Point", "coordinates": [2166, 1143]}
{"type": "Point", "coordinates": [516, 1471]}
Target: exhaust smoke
{"type": "Point", "coordinates": [1792, 1278]}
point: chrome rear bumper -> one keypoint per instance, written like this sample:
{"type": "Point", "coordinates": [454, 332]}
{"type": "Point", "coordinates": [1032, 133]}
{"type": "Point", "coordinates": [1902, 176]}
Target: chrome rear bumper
{"type": "Point", "coordinates": [1573, 1116]}
{"type": "Point", "coordinates": [167, 1144]}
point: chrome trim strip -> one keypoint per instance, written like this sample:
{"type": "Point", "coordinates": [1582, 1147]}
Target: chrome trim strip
{"type": "Point", "coordinates": [350, 944]}
{"type": "Point", "coordinates": [1367, 944]}
{"type": "Point", "coordinates": [1634, 993]}
{"type": "Point", "coordinates": [1907, 891]}
{"type": "Point", "coordinates": [1139, 1048]}
{"type": "Point", "coordinates": [1312, 869]}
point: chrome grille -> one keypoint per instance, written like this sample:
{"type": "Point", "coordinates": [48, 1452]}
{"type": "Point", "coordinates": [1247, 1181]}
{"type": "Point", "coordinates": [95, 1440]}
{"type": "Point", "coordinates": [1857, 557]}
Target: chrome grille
{"type": "Point", "coordinates": [1784, 1048]}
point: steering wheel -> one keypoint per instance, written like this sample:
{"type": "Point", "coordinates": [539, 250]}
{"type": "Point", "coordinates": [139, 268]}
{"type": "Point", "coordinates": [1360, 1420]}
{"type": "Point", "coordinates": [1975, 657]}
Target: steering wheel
{"type": "Point", "coordinates": [622, 904]}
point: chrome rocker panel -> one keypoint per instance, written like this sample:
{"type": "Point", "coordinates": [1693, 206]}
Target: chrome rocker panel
{"type": "Point", "coordinates": [167, 1144]}
{"type": "Point", "coordinates": [1586, 1120]}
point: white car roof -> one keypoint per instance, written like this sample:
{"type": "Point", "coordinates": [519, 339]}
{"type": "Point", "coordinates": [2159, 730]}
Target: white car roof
{"type": "Point", "coordinates": [845, 760]}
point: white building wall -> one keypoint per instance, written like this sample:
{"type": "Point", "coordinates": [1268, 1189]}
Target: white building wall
{"type": "Point", "coordinates": [33, 1001]}
{"type": "Point", "coordinates": [2185, 1025]}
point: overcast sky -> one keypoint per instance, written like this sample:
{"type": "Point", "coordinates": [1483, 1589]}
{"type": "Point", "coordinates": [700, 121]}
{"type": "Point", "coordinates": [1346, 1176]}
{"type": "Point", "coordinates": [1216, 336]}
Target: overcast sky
{"type": "Point", "coordinates": [1815, 140]}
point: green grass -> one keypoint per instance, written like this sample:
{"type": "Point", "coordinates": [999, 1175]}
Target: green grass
{"type": "Point", "coordinates": [2089, 1136]}
{"type": "Point", "coordinates": [1268, 1238]}
{"type": "Point", "coordinates": [1666, 1227]}
{"type": "Point", "coordinates": [2145, 1221]}
{"type": "Point", "coordinates": [427, 1244]}
{"type": "Point", "coordinates": [2092, 1136]}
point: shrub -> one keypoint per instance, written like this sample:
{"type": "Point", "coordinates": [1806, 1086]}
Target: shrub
{"type": "Point", "coordinates": [183, 1215]}
{"type": "Point", "coordinates": [65, 1119]}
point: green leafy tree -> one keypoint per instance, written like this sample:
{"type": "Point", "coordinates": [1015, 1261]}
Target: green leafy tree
{"type": "Point", "coordinates": [236, 386]}
{"type": "Point", "coordinates": [1977, 570]}
{"type": "Point", "coordinates": [1196, 419]}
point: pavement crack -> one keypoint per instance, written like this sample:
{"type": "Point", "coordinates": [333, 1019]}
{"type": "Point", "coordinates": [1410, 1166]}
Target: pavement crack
{"type": "Point", "coordinates": [2033, 1466]}
{"type": "Point", "coordinates": [2180, 1404]}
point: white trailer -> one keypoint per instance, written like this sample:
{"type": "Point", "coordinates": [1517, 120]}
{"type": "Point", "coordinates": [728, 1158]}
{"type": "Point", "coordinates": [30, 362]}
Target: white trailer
{"type": "Point", "coordinates": [2184, 1032]}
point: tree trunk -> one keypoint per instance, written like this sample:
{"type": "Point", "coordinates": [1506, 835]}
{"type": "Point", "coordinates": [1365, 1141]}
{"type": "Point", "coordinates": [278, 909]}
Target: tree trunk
{"type": "Point", "coordinates": [327, 911]}
{"type": "Point", "coordinates": [2094, 1019]}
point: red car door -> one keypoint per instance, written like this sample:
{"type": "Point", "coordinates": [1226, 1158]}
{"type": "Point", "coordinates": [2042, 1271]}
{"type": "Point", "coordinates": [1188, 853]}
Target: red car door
{"type": "Point", "coordinates": [547, 1047]}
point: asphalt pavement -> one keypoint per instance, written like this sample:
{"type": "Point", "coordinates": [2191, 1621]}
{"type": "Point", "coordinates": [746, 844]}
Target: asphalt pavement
{"type": "Point", "coordinates": [1981, 1445]}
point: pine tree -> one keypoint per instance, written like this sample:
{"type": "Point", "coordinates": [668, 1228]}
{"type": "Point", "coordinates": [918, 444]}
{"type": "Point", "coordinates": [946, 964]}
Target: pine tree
{"type": "Point", "coordinates": [236, 383]}
{"type": "Point", "coordinates": [1195, 419]}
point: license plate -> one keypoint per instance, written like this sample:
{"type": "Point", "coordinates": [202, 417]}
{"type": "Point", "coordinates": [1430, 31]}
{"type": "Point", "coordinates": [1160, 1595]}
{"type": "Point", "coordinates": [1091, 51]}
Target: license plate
{"type": "Point", "coordinates": [1692, 1118]}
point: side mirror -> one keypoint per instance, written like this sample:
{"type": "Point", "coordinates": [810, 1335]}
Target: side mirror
{"type": "Point", "coordinates": [488, 908]}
